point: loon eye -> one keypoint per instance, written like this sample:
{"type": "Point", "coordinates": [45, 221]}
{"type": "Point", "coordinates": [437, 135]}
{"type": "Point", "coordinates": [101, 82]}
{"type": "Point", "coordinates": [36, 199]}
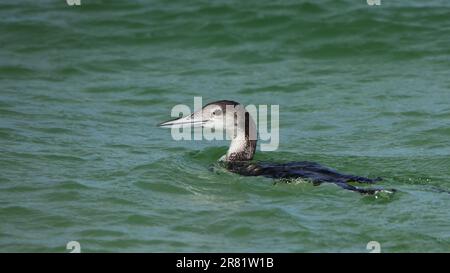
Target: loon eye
{"type": "Point", "coordinates": [217, 112]}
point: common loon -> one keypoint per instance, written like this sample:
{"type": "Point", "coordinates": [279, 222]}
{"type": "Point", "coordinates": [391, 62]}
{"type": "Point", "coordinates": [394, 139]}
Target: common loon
{"type": "Point", "coordinates": [243, 132]}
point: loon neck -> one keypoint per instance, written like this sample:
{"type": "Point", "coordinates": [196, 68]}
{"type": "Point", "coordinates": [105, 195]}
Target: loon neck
{"type": "Point", "coordinates": [243, 143]}
{"type": "Point", "coordinates": [241, 150]}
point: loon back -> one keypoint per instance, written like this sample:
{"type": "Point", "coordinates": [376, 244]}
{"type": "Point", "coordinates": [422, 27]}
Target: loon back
{"type": "Point", "coordinates": [311, 171]}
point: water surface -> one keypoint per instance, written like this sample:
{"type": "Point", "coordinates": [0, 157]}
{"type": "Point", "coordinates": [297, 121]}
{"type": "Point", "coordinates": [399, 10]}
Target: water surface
{"type": "Point", "coordinates": [365, 90]}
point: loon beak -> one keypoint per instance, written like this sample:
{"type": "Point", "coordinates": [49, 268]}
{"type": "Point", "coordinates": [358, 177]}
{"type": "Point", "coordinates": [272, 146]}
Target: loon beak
{"type": "Point", "coordinates": [187, 121]}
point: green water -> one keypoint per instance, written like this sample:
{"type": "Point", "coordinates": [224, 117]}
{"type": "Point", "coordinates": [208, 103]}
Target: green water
{"type": "Point", "coordinates": [362, 89]}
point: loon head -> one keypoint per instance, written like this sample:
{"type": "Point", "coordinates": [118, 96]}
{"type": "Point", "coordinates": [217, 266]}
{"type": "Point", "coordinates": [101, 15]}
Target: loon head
{"type": "Point", "coordinates": [227, 115]}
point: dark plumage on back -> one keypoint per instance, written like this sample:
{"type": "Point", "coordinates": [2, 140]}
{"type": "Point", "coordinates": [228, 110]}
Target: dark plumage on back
{"type": "Point", "coordinates": [310, 171]}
